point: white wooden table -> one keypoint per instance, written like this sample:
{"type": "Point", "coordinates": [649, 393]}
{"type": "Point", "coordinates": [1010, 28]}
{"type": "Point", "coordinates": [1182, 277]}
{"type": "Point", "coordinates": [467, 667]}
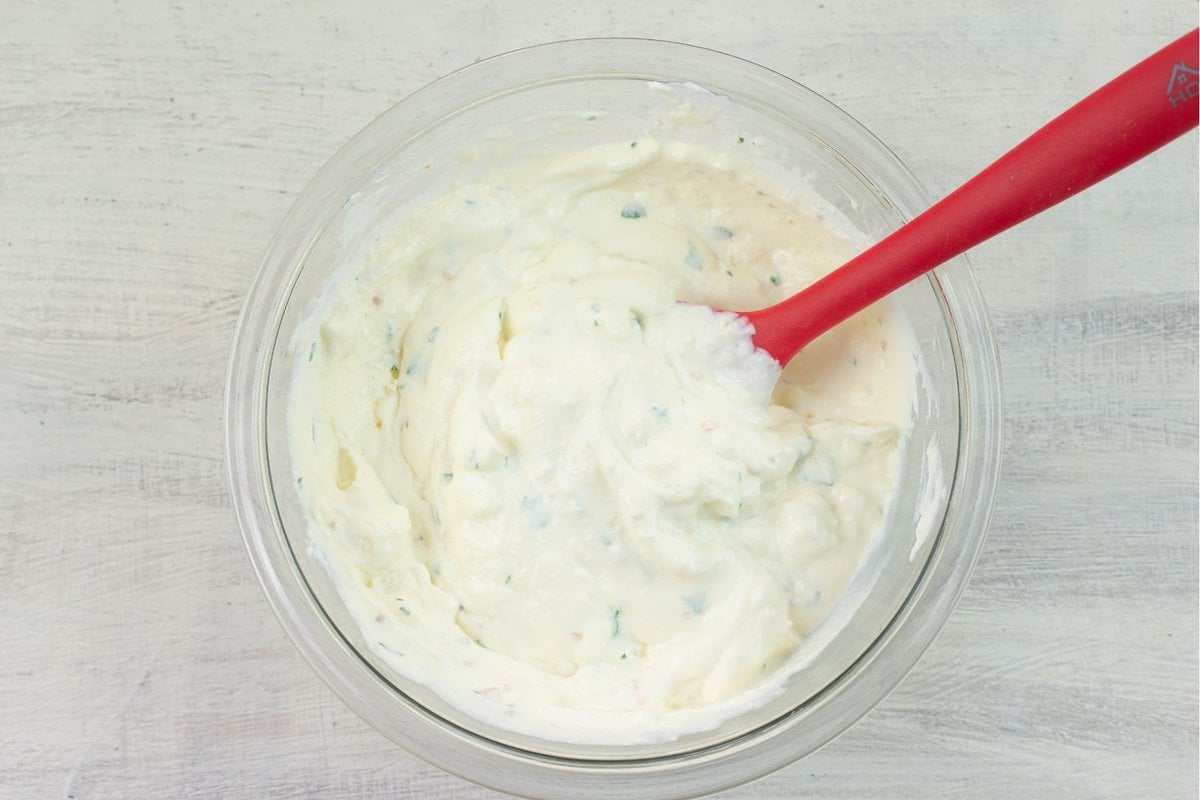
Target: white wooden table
{"type": "Point", "coordinates": [147, 152]}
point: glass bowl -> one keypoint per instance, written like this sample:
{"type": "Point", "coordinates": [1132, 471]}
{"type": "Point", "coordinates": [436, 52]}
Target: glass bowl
{"type": "Point", "coordinates": [911, 576]}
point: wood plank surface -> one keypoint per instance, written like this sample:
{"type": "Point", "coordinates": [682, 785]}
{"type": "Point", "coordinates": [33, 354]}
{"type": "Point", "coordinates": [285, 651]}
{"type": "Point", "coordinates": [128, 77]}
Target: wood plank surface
{"type": "Point", "coordinates": [148, 151]}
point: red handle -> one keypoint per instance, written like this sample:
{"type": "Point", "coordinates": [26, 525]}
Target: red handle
{"type": "Point", "coordinates": [1130, 117]}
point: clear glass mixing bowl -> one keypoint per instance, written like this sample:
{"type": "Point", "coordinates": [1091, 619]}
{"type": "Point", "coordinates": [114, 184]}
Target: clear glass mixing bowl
{"type": "Point", "coordinates": [909, 581]}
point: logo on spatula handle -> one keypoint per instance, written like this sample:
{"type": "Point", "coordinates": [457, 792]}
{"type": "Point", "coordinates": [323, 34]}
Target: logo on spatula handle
{"type": "Point", "coordinates": [1183, 86]}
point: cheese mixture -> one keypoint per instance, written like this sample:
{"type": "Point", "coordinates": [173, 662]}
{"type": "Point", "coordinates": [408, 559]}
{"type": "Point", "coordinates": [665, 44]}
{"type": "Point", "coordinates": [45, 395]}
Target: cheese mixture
{"type": "Point", "coordinates": [570, 504]}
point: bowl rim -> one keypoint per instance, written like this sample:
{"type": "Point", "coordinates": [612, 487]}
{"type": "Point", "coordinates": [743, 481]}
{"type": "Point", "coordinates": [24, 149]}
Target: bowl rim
{"type": "Point", "coordinates": [489, 762]}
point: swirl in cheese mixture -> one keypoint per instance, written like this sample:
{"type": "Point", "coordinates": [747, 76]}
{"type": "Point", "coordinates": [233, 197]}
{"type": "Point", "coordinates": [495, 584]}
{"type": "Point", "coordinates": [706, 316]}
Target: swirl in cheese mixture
{"type": "Point", "coordinates": [566, 502]}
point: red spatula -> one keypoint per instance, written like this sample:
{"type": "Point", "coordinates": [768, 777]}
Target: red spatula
{"type": "Point", "coordinates": [1128, 118]}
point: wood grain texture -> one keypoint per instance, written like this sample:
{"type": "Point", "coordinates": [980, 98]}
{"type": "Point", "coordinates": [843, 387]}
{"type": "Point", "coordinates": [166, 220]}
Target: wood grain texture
{"type": "Point", "coordinates": [147, 152]}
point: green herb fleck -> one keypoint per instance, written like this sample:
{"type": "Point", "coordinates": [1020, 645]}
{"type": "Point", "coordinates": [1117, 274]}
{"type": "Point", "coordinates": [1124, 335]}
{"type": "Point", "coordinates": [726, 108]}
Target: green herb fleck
{"type": "Point", "coordinates": [721, 232]}
{"type": "Point", "coordinates": [730, 274]}
{"type": "Point", "coordinates": [632, 145]}
{"type": "Point", "coordinates": [300, 481]}
{"type": "Point", "coordinates": [395, 372]}
{"type": "Point", "coordinates": [775, 280]}
{"type": "Point", "coordinates": [616, 623]}
{"type": "Point", "coordinates": [624, 656]}
{"type": "Point", "coordinates": [447, 476]}
{"type": "Point", "coordinates": [633, 211]}
{"type": "Point", "coordinates": [508, 579]}
{"type": "Point", "coordinates": [312, 351]}
{"type": "Point", "coordinates": [596, 323]}
{"type": "Point", "coordinates": [741, 140]}
{"type": "Point", "coordinates": [390, 650]}
{"type": "Point", "coordinates": [433, 335]}
{"type": "Point", "coordinates": [805, 448]}
{"type": "Point", "coordinates": [468, 202]}
{"type": "Point", "coordinates": [658, 411]}
{"type": "Point", "coordinates": [818, 468]}
{"type": "Point", "coordinates": [692, 258]}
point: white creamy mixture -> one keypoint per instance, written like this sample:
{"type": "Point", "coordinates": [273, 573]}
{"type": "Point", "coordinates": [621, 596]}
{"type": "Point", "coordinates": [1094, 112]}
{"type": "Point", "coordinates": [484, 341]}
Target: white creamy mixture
{"type": "Point", "coordinates": [570, 505]}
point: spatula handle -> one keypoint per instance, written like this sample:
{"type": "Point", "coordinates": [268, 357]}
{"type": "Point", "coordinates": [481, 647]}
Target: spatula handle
{"type": "Point", "coordinates": [1128, 118]}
